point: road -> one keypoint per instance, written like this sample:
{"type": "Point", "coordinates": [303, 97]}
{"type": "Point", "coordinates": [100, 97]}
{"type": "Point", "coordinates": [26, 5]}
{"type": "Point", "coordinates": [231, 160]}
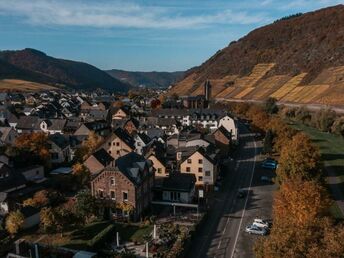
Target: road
{"type": "Point", "coordinates": [313, 107]}
{"type": "Point", "coordinates": [223, 233]}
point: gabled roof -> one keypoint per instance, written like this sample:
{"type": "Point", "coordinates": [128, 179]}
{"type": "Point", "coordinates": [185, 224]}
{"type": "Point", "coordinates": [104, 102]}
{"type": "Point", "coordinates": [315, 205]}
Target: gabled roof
{"type": "Point", "coordinates": [134, 121]}
{"type": "Point", "coordinates": [225, 132]}
{"type": "Point", "coordinates": [12, 179]}
{"type": "Point", "coordinates": [60, 140]}
{"type": "Point", "coordinates": [125, 137]}
{"type": "Point", "coordinates": [133, 167]}
{"type": "Point", "coordinates": [55, 124]}
{"type": "Point", "coordinates": [179, 182]}
{"type": "Point", "coordinates": [144, 137]}
{"type": "Point", "coordinates": [28, 122]}
{"type": "Point", "coordinates": [103, 157]}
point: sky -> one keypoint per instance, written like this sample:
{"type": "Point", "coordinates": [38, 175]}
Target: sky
{"type": "Point", "coordinates": [145, 35]}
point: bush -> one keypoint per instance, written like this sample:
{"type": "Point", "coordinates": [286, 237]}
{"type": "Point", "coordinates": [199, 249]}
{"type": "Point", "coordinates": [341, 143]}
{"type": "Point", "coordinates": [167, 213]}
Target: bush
{"type": "Point", "coordinates": [103, 236]}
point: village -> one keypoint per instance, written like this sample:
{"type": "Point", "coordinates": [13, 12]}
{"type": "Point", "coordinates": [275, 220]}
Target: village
{"type": "Point", "coordinates": [75, 161]}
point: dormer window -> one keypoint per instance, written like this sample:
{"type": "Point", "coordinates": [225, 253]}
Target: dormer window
{"type": "Point", "coordinates": [112, 181]}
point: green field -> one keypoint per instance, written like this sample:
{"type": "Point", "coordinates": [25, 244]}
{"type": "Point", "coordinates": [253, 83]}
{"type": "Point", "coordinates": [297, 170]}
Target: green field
{"type": "Point", "coordinates": [332, 154]}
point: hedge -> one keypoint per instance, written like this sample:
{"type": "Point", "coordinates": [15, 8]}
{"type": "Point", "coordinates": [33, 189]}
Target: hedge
{"type": "Point", "coordinates": [103, 236]}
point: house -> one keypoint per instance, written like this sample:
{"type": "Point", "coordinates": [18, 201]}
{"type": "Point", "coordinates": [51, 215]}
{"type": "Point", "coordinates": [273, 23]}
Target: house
{"type": "Point", "coordinates": [131, 125]}
{"type": "Point", "coordinates": [120, 113]}
{"type": "Point", "coordinates": [119, 143]}
{"type": "Point", "coordinates": [159, 164]}
{"type": "Point", "coordinates": [201, 163]}
{"type": "Point", "coordinates": [129, 183]}
{"type": "Point", "coordinates": [59, 148]}
{"type": "Point", "coordinates": [100, 127]}
{"type": "Point", "coordinates": [10, 181]}
{"type": "Point", "coordinates": [28, 124]}
{"type": "Point", "coordinates": [8, 135]}
{"type": "Point", "coordinates": [178, 187]}
{"type": "Point", "coordinates": [98, 161]}
{"type": "Point", "coordinates": [34, 173]}
{"type": "Point", "coordinates": [223, 139]}
{"type": "Point", "coordinates": [141, 140]}
{"type": "Point", "coordinates": [52, 126]}
{"type": "Point", "coordinates": [230, 125]}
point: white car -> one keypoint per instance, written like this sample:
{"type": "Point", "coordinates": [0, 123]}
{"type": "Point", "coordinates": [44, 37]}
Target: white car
{"type": "Point", "coordinates": [261, 223]}
{"type": "Point", "coordinates": [251, 229]}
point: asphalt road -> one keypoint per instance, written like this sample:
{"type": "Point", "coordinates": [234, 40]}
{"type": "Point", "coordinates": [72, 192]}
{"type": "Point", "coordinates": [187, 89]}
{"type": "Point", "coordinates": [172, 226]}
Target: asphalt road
{"type": "Point", "coordinates": [223, 233]}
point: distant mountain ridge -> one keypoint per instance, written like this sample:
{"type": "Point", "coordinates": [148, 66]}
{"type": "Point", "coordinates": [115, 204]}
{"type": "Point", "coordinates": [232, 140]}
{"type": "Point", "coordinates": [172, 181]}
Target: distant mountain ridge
{"type": "Point", "coordinates": [147, 79]}
{"type": "Point", "coordinates": [298, 59]}
{"type": "Point", "coordinates": [33, 65]}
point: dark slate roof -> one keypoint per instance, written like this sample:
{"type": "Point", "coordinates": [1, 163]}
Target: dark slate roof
{"type": "Point", "coordinates": [225, 132]}
{"type": "Point", "coordinates": [28, 211]}
{"type": "Point", "coordinates": [144, 137]}
{"type": "Point", "coordinates": [103, 157]}
{"type": "Point", "coordinates": [28, 122]}
{"type": "Point", "coordinates": [179, 182]}
{"type": "Point", "coordinates": [55, 124]}
{"type": "Point", "coordinates": [133, 167]}
{"type": "Point", "coordinates": [59, 140]}
{"type": "Point", "coordinates": [13, 180]}
{"type": "Point", "coordinates": [155, 132]}
{"type": "Point", "coordinates": [125, 137]}
{"type": "Point", "coordinates": [134, 121]}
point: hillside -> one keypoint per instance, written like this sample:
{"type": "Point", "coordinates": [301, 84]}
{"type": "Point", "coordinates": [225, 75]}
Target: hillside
{"type": "Point", "coordinates": [147, 79]}
{"type": "Point", "coordinates": [298, 60]}
{"type": "Point", "coordinates": [7, 85]}
{"type": "Point", "coordinates": [36, 66]}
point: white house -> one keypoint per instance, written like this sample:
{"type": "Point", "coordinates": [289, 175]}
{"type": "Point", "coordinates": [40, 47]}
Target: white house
{"type": "Point", "coordinates": [229, 124]}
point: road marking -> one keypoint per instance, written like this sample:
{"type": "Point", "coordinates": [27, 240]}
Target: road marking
{"type": "Point", "coordinates": [249, 189]}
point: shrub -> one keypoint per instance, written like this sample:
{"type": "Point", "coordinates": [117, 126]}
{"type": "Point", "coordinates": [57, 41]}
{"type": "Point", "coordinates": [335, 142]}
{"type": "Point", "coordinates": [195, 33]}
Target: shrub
{"type": "Point", "coordinates": [103, 236]}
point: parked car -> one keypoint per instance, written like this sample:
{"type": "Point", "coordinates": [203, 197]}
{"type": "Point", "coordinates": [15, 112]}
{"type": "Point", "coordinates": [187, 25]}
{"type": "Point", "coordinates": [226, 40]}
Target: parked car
{"type": "Point", "coordinates": [252, 229]}
{"type": "Point", "coordinates": [266, 179]}
{"type": "Point", "coordinates": [241, 193]}
{"type": "Point", "coordinates": [261, 223]}
{"type": "Point", "coordinates": [269, 164]}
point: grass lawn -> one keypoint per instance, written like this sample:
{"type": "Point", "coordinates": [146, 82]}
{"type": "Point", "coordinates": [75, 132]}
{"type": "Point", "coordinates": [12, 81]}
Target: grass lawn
{"type": "Point", "coordinates": [79, 238]}
{"type": "Point", "coordinates": [332, 154]}
{"type": "Point", "coordinates": [133, 232]}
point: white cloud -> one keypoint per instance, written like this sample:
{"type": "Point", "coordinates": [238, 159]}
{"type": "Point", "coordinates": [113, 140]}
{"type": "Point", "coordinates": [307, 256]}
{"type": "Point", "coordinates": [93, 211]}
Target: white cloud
{"type": "Point", "coordinates": [117, 14]}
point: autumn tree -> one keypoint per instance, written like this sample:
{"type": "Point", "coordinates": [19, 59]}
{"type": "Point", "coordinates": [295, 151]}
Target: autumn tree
{"type": "Point", "coordinates": [34, 143]}
{"type": "Point", "coordinates": [268, 142]}
{"type": "Point", "coordinates": [81, 174]}
{"type": "Point", "coordinates": [338, 126]}
{"type": "Point", "coordinates": [300, 202]}
{"type": "Point", "coordinates": [260, 119]}
{"type": "Point", "coordinates": [88, 146]}
{"type": "Point", "coordinates": [303, 115]}
{"type": "Point", "coordinates": [324, 119]}
{"type": "Point", "coordinates": [14, 222]}
{"type": "Point", "coordinates": [155, 103]}
{"type": "Point", "coordinates": [47, 219]}
{"type": "Point", "coordinates": [270, 106]}
{"type": "Point", "coordinates": [40, 198]}
{"type": "Point", "coordinates": [85, 206]}
{"type": "Point", "coordinates": [299, 159]}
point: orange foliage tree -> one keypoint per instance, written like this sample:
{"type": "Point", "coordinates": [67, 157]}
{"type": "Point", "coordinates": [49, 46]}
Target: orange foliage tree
{"type": "Point", "coordinates": [35, 143]}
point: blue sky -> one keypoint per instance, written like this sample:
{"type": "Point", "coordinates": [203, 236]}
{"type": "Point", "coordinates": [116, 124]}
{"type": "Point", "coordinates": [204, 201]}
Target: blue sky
{"type": "Point", "coordinates": [146, 35]}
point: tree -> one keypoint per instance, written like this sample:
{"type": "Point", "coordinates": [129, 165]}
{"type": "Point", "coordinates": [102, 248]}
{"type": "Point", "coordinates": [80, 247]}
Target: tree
{"type": "Point", "coordinates": [324, 119]}
{"type": "Point", "coordinates": [81, 174]}
{"type": "Point", "coordinates": [47, 218]}
{"type": "Point", "coordinates": [300, 203]}
{"type": "Point", "coordinates": [268, 140]}
{"type": "Point", "coordinates": [88, 146]}
{"type": "Point", "coordinates": [271, 106]}
{"type": "Point", "coordinates": [85, 206]}
{"type": "Point", "coordinates": [338, 126]}
{"type": "Point", "coordinates": [14, 222]}
{"type": "Point", "coordinates": [299, 159]}
{"type": "Point", "coordinates": [259, 117]}
{"type": "Point", "coordinates": [40, 198]}
{"type": "Point", "coordinates": [303, 115]}
{"type": "Point", "coordinates": [155, 103]}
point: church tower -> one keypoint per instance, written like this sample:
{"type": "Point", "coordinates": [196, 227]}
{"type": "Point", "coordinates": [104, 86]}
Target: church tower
{"type": "Point", "coordinates": [207, 90]}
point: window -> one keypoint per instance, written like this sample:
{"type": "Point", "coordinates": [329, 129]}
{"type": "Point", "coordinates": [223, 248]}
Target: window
{"type": "Point", "coordinates": [188, 169]}
{"type": "Point", "coordinates": [112, 194]}
{"type": "Point", "coordinates": [200, 170]}
{"type": "Point", "coordinates": [101, 193]}
{"type": "Point", "coordinates": [200, 178]}
{"type": "Point", "coordinates": [125, 196]}
{"type": "Point", "coordinates": [109, 143]}
{"type": "Point", "coordinates": [118, 152]}
{"type": "Point", "coordinates": [200, 161]}
{"type": "Point", "coordinates": [54, 155]}
{"type": "Point", "coordinates": [117, 143]}
{"type": "Point", "coordinates": [189, 161]}
{"type": "Point", "coordinates": [159, 170]}
{"type": "Point", "coordinates": [138, 144]}
{"type": "Point", "coordinates": [207, 173]}
{"type": "Point", "coordinates": [37, 172]}
{"type": "Point", "coordinates": [112, 181]}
